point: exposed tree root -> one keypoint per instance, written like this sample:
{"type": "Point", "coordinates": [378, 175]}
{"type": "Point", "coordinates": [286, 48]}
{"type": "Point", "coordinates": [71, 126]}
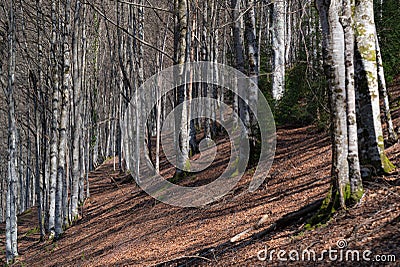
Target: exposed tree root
{"type": "Point", "coordinates": [280, 223]}
{"type": "Point", "coordinates": [180, 258]}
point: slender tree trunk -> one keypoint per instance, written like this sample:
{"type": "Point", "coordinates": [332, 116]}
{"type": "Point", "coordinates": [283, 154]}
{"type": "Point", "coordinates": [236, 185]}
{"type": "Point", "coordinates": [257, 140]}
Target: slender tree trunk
{"type": "Point", "coordinates": [181, 122]}
{"type": "Point", "coordinates": [61, 173]}
{"type": "Point", "coordinates": [76, 171]}
{"type": "Point", "coordinates": [353, 158]}
{"type": "Point", "coordinates": [54, 123]}
{"type": "Point", "coordinates": [253, 68]}
{"type": "Point", "coordinates": [38, 86]}
{"type": "Point", "coordinates": [159, 102]}
{"type": "Point", "coordinates": [393, 138]}
{"type": "Point", "coordinates": [139, 95]}
{"type": "Point", "coordinates": [237, 48]}
{"type": "Point", "coordinates": [278, 45]}
{"type": "Point", "coordinates": [11, 209]}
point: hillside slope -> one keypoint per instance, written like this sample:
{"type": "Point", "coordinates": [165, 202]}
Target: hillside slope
{"type": "Point", "coordinates": [121, 225]}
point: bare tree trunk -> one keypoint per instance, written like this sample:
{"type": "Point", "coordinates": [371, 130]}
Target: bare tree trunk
{"type": "Point", "coordinates": [278, 45]}
{"type": "Point", "coordinates": [289, 28]}
{"type": "Point", "coordinates": [181, 122]}
{"type": "Point", "coordinates": [353, 158]}
{"type": "Point", "coordinates": [11, 205]}
{"type": "Point", "coordinates": [85, 137]}
{"type": "Point", "coordinates": [38, 83]}
{"type": "Point", "coordinates": [384, 92]}
{"type": "Point", "coordinates": [205, 57]}
{"type": "Point", "coordinates": [334, 57]}
{"type": "Point", "coordinates": [61, 173]}
{"type": "Point", "coordinates": [159, 102]}
{"type": "Point", "coordinates": [370, 134]}
{"type": "Point", "coordinates": [77, 82]}
{"type": "Point", "coordinates": [253, 67]}
{"type": "Point", "coordinates": [20, 185]}
{"type": "Point", "coordinates": [139, 95]}
{"type": "Point", "coordinates": [54, 123]}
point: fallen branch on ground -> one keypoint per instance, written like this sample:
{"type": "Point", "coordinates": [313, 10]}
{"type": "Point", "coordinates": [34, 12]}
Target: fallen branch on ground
{"type": "Point", "coordinates": [251, 228]}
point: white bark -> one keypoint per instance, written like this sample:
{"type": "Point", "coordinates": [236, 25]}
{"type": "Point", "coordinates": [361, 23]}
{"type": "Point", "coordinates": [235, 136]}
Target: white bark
{"type": "Point", "coordinates": [139, 95]}
{"type": "Point", "coordinates": [334, 59]}
{"type": "Point", "coordinates": [278, 46]}
{"type": "Point", "coordinates": [182, 146]}
{"type": "Point", "coordinates": [238, 47]}
{"type": "Point", "coordinates": [353, 158]}
{"type": "Point", "coordinates": [11, 205]}
{"type": "Point", "coordinates": [252, 50]}
{"type": "Point", "coordinates": [54, 123]}
{"type": "Point", "coordinates": [370, 133]}
{"type": "Point", "coordinates": [39, 81]}
{"type": "Point", "coordinates": [76, 170]}
{"type": "Point", "coordinates": [384, 92]}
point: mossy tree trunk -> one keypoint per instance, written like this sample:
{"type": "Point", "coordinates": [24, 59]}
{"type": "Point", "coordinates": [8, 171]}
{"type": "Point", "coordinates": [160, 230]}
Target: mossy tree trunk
{"type": "Point", "coordinates": [356, 186]}
{"type": "Point", "coordinates": [338, 50]}
{"type": "Point", "coordinates": [372, 150]}
{"type": "Point", "coordinates": [335, 60]}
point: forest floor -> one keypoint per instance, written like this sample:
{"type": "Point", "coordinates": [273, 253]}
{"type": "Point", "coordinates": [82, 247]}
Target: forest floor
{"type": "Point", "coordinates": [121, 225]}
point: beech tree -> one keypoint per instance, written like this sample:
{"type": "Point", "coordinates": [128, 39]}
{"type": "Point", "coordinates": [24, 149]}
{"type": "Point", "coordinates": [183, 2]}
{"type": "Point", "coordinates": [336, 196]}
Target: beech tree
{"type": "Point", "coordinates": [278, 44]}
{"type": "Point", "coordinates": [54, 122]}
{"type": "Point", "coordinates": [181, 10]}
{"type": "Point", "coordinates": [77, 113]}
{"type": "Point", "coordinates": [11, 210]}
{"type": "Point", "coordinates": [370, 135]}
{"type": "Point", "coordinates": [342, 50]}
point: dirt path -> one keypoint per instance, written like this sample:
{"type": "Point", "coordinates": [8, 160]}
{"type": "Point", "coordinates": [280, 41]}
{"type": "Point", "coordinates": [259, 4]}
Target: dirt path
{"type": "Point", "coordinates": [121, 225]}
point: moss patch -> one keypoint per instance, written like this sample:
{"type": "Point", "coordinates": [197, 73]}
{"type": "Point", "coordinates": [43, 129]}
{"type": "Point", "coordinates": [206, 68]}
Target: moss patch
{"type": "Point", "coordinates": [387, 165]}
{"type": "Point", "coordinates": [331, 205]}
{"type": "Point", "coordinates": [325, 212]}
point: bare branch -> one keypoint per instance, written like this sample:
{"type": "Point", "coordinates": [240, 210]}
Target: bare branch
{"type": "Point", "coordinates": [126, 31]}
{"type": "Point", "coordinates": [144, 6]}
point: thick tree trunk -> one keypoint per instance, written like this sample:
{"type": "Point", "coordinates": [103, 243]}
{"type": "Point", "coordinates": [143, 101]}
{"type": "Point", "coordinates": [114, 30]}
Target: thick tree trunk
{"type": "Point", "coordinates": [338, 50]}
{"type": "Point", "coordinates": [353, 158]}
{"type": "Point", "coordinates": [337, 84]}
{"type": "Point", "coordinates": [370, 134]}
{"type": "Point", "coordinates": [182, 146]}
